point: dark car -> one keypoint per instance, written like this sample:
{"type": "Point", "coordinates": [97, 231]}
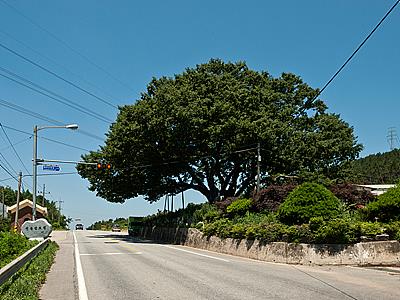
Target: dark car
{"type": "Point", "coordinates": [78, 227]}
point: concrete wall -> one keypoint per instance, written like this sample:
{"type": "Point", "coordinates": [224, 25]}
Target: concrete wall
{"type": "Point", "coordinates": [368, 253]}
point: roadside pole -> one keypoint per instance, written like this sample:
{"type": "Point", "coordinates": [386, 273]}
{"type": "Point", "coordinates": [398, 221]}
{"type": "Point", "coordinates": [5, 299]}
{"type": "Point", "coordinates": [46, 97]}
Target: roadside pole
{"type": "Point", "coordinates": [258, 166]}
{"type": "Point", "coordinates": [3, 203]}
{"type": "Point", "coordinates": [18, 196]}
{"type": "Point", "coordinates": [44, 193]}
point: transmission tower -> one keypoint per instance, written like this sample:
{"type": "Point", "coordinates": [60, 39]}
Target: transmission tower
{"type": "Point", "coordinates": [392, 138]}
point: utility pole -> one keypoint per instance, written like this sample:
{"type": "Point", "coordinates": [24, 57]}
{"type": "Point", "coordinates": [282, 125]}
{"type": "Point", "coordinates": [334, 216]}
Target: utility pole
{"type": "Point", "coordinates": [165, 203]}
{"type": "Point", "coordinates": [59, 210]}
{"type": "Point", "coordinates": [3, 208]}
{"type": "Point", "coordinates": [18, 196]}
{"type": "Point", "coordinates": [183, 200]}
{"type": "Point", "coordinates": [44, 193]}
{"type": "Point", "coordinates": [258, 166]}
{"type": "Point", "coordinates": [172, 202]}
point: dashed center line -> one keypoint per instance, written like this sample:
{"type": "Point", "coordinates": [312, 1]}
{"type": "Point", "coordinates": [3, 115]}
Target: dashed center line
{"type": "Point", "coordinates": [196, 253]}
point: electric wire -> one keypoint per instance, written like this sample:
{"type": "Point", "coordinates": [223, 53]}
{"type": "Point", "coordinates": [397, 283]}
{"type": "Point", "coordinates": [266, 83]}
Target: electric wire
{"type": "Point", "coordinates": [28, 112]}
{"type": "Point", "coordinates": [12, 146]}
{"type": "Point", "coordinates": [56, 75]}
{"type": "Point", "coordinates": [55, 62]}
{"type": "Point", "coordinates": [16, 143]}
{"type": "Point", "coordinates": [25, 111]}
{"type": "Point", "coordinates": [68, 46]}
{"type": "Point", "coordinates": [351, 56]}
{"type": "Point", "coordinates": [47, 139]}
{"type": "Point", "coordinates": [53, 95]}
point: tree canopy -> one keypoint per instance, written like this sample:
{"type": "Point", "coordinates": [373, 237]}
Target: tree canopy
{"type": "Point", "coordinates": [199, 130]}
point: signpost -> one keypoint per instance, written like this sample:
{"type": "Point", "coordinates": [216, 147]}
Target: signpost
{"type": "Point", "coordinates": [51, 168]}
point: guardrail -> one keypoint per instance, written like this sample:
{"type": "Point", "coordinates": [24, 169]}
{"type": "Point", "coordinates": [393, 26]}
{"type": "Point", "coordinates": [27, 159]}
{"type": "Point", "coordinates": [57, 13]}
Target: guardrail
{"type": "Point", "coordinates": [9, 270]}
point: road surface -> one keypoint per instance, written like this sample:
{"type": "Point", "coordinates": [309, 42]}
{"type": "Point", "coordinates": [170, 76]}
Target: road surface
{"type": "Point", "coordinates": [117, 267]}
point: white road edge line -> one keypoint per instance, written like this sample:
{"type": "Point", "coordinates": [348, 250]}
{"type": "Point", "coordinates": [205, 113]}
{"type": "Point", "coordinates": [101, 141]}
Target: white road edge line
{"type": "Point", "coordinates": [109, 253]}
{"type": "Point", "coordinates": [199, 254]}
{"type": "Point", "coordinates": [79, 273]}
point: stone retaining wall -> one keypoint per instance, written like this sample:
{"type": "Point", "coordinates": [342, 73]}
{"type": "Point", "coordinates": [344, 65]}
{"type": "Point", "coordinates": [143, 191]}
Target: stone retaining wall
{"type": "Point", "coordinates": [368, 253]}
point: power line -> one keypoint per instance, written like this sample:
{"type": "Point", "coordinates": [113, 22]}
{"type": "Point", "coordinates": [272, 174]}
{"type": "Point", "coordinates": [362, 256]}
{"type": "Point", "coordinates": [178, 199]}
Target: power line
{"type": "Point", "coordinates": [15, 151]}
{"type": "Point", "coordinates": [352, 55]}
{"type": "Point", "coordinates": [47, 139]}
{"type": "Point", "coordinates": [56, 63]}
{"type": "Point", "coordinates": [55, 174]}
{"type": "Point", "coordinates": [68, 46]}
{"type": "Point", "coordinates": [16, 143]}
{"type": "Point", "coordinates": [65, 101]}
{"type": "Point", "coordinates": [57, 76]}
{"type": "Point", "coordinates": [25, 111]}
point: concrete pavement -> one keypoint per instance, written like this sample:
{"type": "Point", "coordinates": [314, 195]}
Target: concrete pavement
{"type": "Point", "coordinates": [61, 280]}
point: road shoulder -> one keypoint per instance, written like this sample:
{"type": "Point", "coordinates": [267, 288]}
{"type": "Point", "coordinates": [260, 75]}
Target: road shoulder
{"type": "Point", "coordinates": [61, 280]}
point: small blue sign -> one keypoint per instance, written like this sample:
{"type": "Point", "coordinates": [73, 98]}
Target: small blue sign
{"type": "Point", "coordinates": [51, 168]}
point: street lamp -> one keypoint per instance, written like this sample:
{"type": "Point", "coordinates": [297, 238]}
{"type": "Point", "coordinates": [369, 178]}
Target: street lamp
{"type": "Point", "coordinates": [34, 161]}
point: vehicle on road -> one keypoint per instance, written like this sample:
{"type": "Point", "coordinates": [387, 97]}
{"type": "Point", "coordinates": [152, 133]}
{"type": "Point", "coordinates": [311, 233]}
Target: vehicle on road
{"type": "Point", "coordinates": [79, 227]}
{"type": "Point", "coordinates": [134, 225]}
{"type": "Point", "coordinates": [116, 228]}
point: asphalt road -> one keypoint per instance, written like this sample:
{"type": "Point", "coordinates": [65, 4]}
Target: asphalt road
{"type": "Point", "coordinates": [117, 267]}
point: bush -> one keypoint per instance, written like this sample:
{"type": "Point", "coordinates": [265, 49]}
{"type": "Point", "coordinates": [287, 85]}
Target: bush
{"type": "Point", "coordinates": [206, 213]}
{"type": "Point", "coordinates": [397, 236]}
{"type": "Point", "coordinates": [351, 195]}
{"type": "Point", "coordinates": [223, 204]}
{"type": "Point", "coordinates": [221, 227]}
{"type": "Point", "coordinates": [5, 224]}
{"type": "Point", "coordinates": [336, 231]}
{"type": "Point", "coordinates": [306, 201]}
{"type": "Point", "coordinates": [387, 207]}
{"type": "Point", "coordinates": [270, 198]}
{"type": "Point", "coordinates": [13, 245]}
{"type": "Point", "coordinates": [239, 207]}
{"type": "Point", "coordinates": [28, 280]}
{"type": "Point", "coordinates": [369, 229]}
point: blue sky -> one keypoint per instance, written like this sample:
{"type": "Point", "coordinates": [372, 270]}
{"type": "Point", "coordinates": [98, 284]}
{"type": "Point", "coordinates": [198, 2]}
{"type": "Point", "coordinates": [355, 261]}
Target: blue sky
{"type": "Point", "coordinates": [136, 40]}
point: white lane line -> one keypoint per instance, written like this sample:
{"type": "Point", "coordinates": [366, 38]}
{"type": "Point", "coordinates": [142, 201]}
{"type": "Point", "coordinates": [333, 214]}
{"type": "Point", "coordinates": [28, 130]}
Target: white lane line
{"type": "Point", "coordinates": [109, 253]}
{"type": "Point", "coordinates": [195, 253]}
{"type": "Point", "coordinates": [79, 272]}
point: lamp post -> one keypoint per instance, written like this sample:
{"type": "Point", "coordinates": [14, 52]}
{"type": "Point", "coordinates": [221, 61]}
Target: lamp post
{"type": "Point", "coordinates": [34, 161]}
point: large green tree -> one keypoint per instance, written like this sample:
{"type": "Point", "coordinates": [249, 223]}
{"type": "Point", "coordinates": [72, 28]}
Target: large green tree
{"type": "Point", "coordinates": [199, 129]}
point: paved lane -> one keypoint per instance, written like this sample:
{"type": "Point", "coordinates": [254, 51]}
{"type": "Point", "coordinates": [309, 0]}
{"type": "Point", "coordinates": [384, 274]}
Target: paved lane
{"type": "Point", "coordinates": [116, 267]}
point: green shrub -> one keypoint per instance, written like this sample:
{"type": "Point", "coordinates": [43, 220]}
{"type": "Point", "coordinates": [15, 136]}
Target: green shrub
{"type": "Point", "coordinates": [336, 231]}
{"type": "Point", "coordinates": [206, 213]}
{"type": "Point", "coordinates": [272, 232]}
{"type": "Point", "coordinates": [239, 207]}
{"type": "Point", "coordinates": [369, 229]}
{"type": "Point", "coordinates": [392, 229]}
{"type": "Point", "coordinates": [5, 224]}
{"type": "Point", "coordinates": [397, 236]}
{"type": "Point", "coordinates": [26, 283]}
{"type": "Point", "coordinates": [221, 227]}
{"type": "Point", "coordinates": [306, 201]}
{"type": "Point", "coordinates": [13, 245]}
{"type": "Point", "coordinates": [387, 207]}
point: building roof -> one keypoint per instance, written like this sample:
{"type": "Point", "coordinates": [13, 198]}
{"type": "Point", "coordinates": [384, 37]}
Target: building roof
{"type": "Point", "coordinates": [377, 186]}
{"type": "Point", "coordinates": [29, 203]}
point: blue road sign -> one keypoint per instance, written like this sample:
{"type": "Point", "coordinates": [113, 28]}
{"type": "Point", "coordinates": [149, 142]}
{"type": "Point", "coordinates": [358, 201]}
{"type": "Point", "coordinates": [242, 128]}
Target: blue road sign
{"type": "Point", "coordinates": [51, 168]}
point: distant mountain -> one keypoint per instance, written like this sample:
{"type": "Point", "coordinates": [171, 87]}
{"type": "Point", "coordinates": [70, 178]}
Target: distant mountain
{"type": "Point", "coordinates": [380, 168]}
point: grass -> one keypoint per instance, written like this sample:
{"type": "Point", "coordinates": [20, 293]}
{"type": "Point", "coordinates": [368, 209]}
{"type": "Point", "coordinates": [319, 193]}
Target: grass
{"type": "Point", "coordinates": [25, 284]}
